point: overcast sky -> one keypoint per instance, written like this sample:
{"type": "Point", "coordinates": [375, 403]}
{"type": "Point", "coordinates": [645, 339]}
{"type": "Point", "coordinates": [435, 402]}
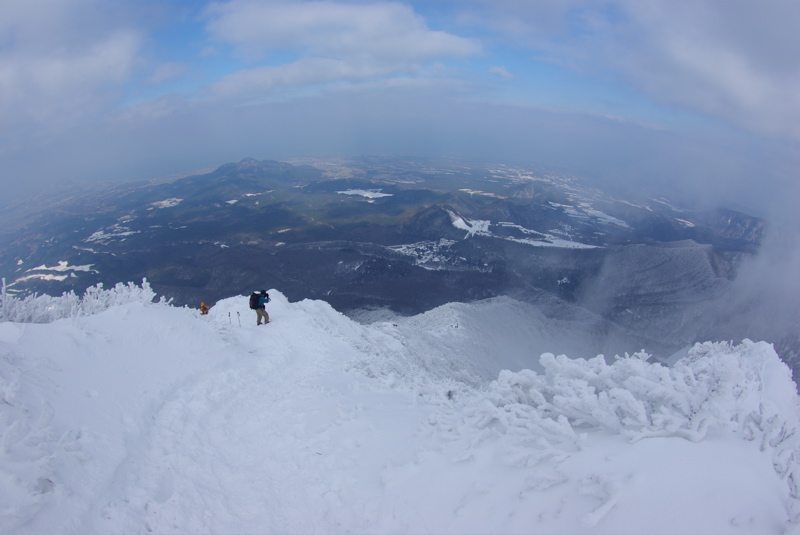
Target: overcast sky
{"type": "Point", "coordinates": [704, 95]}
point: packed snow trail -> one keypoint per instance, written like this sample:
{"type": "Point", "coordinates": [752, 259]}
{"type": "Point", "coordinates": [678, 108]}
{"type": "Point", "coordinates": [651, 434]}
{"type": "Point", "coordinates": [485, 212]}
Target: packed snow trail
{"type": "Point", "coordinates": [147, 418]}
{"type": "Point", "coordinates": [271, 444]}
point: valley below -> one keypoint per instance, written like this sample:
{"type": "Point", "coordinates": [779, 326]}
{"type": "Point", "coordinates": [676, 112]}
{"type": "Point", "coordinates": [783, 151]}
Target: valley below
{"type": "Point", "coordinates": [378, 238]}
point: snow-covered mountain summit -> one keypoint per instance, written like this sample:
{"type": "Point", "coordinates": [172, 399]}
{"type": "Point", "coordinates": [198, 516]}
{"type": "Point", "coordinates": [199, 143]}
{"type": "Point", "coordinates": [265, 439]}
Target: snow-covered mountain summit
{"type": "Point", "coordinates": [126, 416]}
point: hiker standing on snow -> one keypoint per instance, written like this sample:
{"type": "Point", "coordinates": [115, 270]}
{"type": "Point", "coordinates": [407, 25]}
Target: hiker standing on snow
{"type": "Point", "coordinates": [257, 302]}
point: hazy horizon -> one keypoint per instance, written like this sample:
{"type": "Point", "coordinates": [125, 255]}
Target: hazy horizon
{"type": "Point", "coordinates": [701, 97]}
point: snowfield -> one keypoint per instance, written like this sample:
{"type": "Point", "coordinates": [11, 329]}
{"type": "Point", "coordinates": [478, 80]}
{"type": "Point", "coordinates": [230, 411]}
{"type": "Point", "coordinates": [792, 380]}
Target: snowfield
{"type": "Point", "coordinates": [126, 416]}
{"type": "Point", "coordinates": [368, 193]}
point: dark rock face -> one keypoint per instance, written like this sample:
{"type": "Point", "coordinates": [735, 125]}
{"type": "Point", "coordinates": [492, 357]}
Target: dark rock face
{"type": "Point", "coordinates": [662, 288]}
{"type": "Point", "coordinates": [433, 223]}
{"type": "Point", "coordinates": [404, 235]}
{"type": "Point", "coordinates": [732, 229]}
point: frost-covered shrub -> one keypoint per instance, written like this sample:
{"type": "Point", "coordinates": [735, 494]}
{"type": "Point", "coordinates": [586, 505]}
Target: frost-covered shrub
{"type": "Point", "coordinates": [46, 309]}
{"type": "Point", "coordinates": [742, 389]}
{"type": "Point", "coordinates": [719, 386]}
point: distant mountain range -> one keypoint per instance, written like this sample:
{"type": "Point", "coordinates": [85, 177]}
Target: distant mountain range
{"type": "Point", "coordinates": [379, 236]}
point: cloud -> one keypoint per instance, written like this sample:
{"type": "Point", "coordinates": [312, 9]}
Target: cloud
{"type": "Point", "coordinates": [304, 72]}
{"type": "Point", "coordinates": [166, 72]}
{"type": "Point", "coordinates": [502, 72]}
{"type": "Point", "coordinates": [52, 74]}
{"type": "Point", "coordinates": [735, 61]}
{"type": "Point", "coordinates": [378, 33]}
{"type": "Point", "coordinates": [334, 41]}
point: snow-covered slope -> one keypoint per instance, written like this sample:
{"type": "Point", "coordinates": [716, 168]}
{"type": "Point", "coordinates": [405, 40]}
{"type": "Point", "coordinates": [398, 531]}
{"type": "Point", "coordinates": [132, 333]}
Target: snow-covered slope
{"type": "Point", "coordinates": [150, 418]}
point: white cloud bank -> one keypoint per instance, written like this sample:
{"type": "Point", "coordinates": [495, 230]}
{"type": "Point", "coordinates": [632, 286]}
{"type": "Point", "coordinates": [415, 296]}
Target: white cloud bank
{"type": "Point", "coordinates": [734, 60]}
{"type": "Point", "coordinates": [57, 68]}
{"type": "Point", "coordinates": [335, 42]}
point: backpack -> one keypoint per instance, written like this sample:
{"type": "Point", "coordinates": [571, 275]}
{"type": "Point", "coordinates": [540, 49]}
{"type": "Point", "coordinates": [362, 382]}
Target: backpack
{"type": "Point", "coordinates": [254, 300]}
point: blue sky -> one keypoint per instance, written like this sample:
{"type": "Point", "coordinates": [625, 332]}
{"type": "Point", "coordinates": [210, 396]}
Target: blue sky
{"type": "Point", "coordinates": [702, 95]}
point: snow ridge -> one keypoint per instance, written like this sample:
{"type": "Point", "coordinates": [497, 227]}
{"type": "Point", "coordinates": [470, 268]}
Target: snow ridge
{"type": "Point", "coordinates": [139, 417]}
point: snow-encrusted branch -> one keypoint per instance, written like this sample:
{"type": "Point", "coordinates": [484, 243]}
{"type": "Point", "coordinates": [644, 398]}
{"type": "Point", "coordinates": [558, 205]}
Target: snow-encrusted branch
{"type": "Point", "coordinates": [742, 389]}
{"type": "Point", "coordinates": [45, 309]}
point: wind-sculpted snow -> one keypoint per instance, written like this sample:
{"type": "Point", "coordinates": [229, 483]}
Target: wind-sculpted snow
{"type": "Point", "coordinates": [147, 418]}
{"type": "Point", "coordinates": [718, 388]}
{"type": "Point", "coordinates": [711, 389]}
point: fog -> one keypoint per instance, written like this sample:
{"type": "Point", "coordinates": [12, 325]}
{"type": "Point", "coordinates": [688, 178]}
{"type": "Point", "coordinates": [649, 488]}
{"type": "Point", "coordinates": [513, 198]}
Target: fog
{"type": "Point", "coordinates": [764, 301]}
{"type": "Point", "coordinates": [750, 175]}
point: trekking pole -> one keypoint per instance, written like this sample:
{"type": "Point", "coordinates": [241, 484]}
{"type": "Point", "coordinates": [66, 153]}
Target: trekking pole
{"type": "Point", "coordinates": [239, 316]}
{"type": "Point", "coordinates": [229, 318]}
